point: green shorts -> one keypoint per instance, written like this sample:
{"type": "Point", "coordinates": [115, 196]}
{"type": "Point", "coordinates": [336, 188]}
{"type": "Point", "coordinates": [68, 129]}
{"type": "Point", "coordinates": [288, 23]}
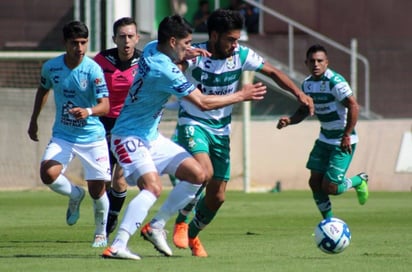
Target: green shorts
{"type": "Point", "coordinates": [196, 139]}
{"type": "Point", "coordinates": [330, 160]}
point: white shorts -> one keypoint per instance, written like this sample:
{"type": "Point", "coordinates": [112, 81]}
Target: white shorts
{"type": "Point", "coordinates": [138, 158]}
{"type": "Point", "coordinates": [93, 156]}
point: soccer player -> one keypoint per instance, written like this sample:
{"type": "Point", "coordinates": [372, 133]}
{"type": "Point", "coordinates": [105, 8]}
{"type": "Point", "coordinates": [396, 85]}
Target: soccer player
{"type": "Point", "coordinates": [337, 110]}
{"type": "Point", "coordinates": [119, 65]}
{"type": "Point", "coordinates": [143, 152]}
{"type": "Point", "coordinates": [80, 96]}
{"type": "Point", "coordinates": [206, 134]}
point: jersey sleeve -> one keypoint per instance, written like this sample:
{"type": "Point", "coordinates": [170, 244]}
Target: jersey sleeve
{"type": "Point", "coordinates": [251, 60]}
{"type": "Point", "coordinates": [45, 81]}
{"type": "Point", "coordinates": [176, 82]}
{"type": "Point", "coordinates": [99, 83]}
{"type": "Point", "coordinates": [340, 88]}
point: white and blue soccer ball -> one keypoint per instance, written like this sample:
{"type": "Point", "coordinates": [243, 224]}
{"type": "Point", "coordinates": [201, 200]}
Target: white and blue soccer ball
{"type": "Point", "coordinates": [332, 235]}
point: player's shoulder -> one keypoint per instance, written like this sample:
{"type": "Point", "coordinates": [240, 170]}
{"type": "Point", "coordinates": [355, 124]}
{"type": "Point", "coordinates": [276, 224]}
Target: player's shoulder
{"type": "Point", "coordinates": [58, 60]}
{"type": "Point", "coordinates": [333, 76]}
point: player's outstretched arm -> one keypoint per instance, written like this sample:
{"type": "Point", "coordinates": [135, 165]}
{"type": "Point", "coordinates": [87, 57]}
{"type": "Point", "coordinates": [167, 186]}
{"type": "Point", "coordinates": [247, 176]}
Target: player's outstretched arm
{"type": "Point", "coordinates": [301, 113]}
{"type": "Point", "coordinates": [249, 92]}
{"type": "Point", "coordinates": [287, 84]}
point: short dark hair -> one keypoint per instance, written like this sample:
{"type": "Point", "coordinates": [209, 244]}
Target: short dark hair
{"type": "Point", "coordinates": [173, 26]}
{"type": "Point", "coordinates": [123, 22]}
{"type": "Point", "coordinates": [224, 20]}
{"type": "Point", "coordinates": [75, 29]}
{"type": "Point", "coordinates": [315, 48]}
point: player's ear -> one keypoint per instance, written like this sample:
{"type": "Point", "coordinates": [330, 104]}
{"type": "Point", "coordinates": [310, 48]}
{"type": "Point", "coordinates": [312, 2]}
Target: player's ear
{"type": "Point", "coordinates": [172, 42]}
{"type": "Point", "coordinates": [213, 36]}
{"type": "Point", "coordinates": [114, 39]}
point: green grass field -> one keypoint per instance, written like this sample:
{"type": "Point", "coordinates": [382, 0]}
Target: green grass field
{"type": "Point", "coordinates": [252, 232]}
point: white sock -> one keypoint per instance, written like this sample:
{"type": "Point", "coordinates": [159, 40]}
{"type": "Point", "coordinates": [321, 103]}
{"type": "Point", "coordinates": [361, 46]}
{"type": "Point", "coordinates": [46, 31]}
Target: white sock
{"type": "Point", "coordinates": [122, 237]}
{"type": "Point", "coordinates": [181, 195]}
{"type": "Point", "coordinates": [63, 186]}
{"type": "Point", "coordinates": [101, 210]}
{"type": "Point", "coordinates": [134, 215]}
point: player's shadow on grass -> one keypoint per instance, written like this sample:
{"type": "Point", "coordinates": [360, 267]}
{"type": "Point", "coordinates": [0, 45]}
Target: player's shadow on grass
{"type": "Point", "coordinates": [9, 244]}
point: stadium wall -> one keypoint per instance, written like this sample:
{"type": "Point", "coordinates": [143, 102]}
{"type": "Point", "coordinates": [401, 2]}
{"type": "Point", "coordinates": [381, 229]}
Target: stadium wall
{"type": "Point", "coordinates": [276, 155]}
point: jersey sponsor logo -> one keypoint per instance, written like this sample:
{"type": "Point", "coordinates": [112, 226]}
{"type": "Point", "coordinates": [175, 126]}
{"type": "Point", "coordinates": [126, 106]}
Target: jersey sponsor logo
{"type": "Point", "coordinates": [102, 159]}
{"type": "Point", "coordinates": [55, 69]}
{"type": "Point", "coordinates": [343, 88]}
{"type": "Point", "coordinates": [322, 108]}
{"type": "Point", "coordinates": [207, 64]}
{"type": "Point", "coordinates": [69, 93]}
{"type": "Point", "coordinates": [68, 119]}
{"type": "Point", "coordinates": [222, 91]}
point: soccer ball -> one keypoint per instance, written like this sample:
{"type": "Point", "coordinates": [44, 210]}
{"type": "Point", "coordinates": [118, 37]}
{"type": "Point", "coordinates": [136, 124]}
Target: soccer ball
{"type": "Point", "coordinates": [332, 235]}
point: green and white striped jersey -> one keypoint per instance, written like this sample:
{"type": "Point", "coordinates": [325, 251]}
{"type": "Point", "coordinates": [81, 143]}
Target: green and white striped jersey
{"type": "Point", "coordinates": [328, 92]}
{"type": "Point", "coordinates": [216, 77]}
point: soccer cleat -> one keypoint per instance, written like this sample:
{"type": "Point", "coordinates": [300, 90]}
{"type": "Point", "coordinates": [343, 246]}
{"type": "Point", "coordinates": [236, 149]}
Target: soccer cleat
{"type": "Point", "coordinates": [73, 211]}
{"type": "Point", "coordinates": [197, 248]}
{"type": "Point", "coordinates": [111, 223]}
{"type": "Point", "coordinates": [120, 253]}
{"type": "Point", "coordinates": [100, 240]}
{"type": "Point", "coordinates": [362, 190]}
{"type": "Point", "coordinates": [180, 235]}
{"type": "Point", "coordinates": [158, 238]}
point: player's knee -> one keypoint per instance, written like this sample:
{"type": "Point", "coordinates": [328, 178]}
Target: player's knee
{"type": "Point", "coordinates": [50, 171]}
{"type": "Point", "coordinates": [214, 202]}
{"type": "Point", "coordinates": [96, 189]}
{"type": "Point", "coordinates": [329, 187]}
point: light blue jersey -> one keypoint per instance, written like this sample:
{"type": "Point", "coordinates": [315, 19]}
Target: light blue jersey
{"type": "Point", "coordinates": [80, 87]}
{"type": "Point", "coordinates": [157, 79]}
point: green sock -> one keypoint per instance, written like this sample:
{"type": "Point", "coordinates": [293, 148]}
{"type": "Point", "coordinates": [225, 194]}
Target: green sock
{"type": "Point", "coordinates": [356, 181]}
{"type": "Point", "coordinates": [202, 218]}
{"type": "Point", "coordinates": [183, 215]}
{"type": "Point", "coordinates": [323, 203]}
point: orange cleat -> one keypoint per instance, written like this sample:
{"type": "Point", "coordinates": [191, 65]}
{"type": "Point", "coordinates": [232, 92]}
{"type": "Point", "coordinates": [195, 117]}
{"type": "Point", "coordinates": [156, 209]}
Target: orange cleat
{"type": "Point", "coordinates": [180, 235]}
{"type": "Point", "coordinates": [197, 248]}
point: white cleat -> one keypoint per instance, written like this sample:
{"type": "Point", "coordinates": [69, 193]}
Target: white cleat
{"type": "Point", "coordinates": [100, 240]}
{"type": "Point", "coordinates": [120, 253]}
{"type": "Point", "coordinates": [158, 238]}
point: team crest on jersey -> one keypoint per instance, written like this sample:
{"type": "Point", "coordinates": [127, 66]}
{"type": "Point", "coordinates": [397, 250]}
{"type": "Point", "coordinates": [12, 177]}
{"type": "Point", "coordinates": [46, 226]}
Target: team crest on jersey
{"type": "Point", "coordinates": [230, 63]}
{"type": "Point", "coordinates": [323, 86]}
{"type": "Point", "coordinates": [83, 84]}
